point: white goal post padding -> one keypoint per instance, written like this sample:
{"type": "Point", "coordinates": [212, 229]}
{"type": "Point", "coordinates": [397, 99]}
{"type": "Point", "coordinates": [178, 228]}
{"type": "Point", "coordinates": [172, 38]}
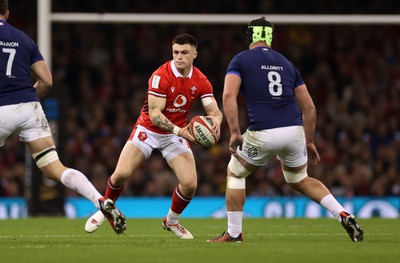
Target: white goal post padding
{"type": "Point", "coordinates": [46, 18]}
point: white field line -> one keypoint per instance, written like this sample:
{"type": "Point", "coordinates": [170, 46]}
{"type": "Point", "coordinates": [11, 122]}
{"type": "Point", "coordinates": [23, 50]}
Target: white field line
{"type": "Point", "coordinates": [165, 235]}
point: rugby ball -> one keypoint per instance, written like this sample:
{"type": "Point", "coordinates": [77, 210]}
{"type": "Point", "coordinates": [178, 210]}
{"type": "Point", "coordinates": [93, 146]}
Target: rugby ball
{"type": "Point", "coordinates": [200, 127]}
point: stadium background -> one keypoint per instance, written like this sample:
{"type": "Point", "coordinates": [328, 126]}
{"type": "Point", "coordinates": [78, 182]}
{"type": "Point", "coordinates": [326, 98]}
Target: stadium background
{"type": "Point", "coordinates": [101, 70]}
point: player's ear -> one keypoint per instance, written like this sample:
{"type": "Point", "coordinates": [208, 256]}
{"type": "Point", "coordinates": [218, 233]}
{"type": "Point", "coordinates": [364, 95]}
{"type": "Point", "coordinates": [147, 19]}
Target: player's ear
{"type": "Point", "coordinates": [7, 14]}
{"type": "Point", "coordinates": [195, 53]}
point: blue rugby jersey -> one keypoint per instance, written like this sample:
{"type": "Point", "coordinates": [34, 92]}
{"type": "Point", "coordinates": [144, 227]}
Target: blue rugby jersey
{"type": "Point", "coordinates": [268, 83]}
{"type": "Point", "coordinates": [17, 53]}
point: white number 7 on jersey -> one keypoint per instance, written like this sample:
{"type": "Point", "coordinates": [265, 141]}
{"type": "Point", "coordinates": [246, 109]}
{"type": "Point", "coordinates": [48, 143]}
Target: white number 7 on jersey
{"type": "Point", "coordinates": [10, 61]}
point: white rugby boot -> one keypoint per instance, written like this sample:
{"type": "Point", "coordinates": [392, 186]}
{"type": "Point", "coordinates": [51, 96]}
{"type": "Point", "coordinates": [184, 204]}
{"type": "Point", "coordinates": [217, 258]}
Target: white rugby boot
{"type": "Point", "coordinates": [177, 229]}
{"type": "Point", "coordinates": [94, 222]}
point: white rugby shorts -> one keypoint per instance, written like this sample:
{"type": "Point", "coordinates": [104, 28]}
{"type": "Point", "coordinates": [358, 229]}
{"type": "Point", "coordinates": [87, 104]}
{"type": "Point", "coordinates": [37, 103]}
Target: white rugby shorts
{"type": "Point", "coordinates": [287, 143]}
{"type": "Point", "coordinates": [26, 119]}
{"type": "Point", "coordinates": [169, 145]}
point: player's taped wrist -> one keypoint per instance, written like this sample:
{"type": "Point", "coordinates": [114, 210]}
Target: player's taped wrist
{"type": "Point", "coordinates": [176, 131]}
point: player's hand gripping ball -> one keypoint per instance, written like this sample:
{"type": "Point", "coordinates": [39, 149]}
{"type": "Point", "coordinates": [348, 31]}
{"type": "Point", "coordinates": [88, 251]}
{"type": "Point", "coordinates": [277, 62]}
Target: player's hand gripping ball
{"type": "Point", "coordinates": [200, 127]}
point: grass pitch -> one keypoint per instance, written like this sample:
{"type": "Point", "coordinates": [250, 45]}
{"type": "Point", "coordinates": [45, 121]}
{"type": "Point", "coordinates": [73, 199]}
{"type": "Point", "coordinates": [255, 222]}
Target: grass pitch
{"type": "Point", "coordinates": [266, 240]}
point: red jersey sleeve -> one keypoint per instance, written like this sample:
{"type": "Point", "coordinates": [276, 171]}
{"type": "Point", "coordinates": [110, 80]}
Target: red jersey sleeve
{"type": "Point", "coordinates": [159, 82]}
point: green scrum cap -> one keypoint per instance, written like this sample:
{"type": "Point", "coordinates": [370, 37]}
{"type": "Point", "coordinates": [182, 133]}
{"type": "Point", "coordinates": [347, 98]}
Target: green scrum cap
{"type": "Point", "coordinates": [260, 30]}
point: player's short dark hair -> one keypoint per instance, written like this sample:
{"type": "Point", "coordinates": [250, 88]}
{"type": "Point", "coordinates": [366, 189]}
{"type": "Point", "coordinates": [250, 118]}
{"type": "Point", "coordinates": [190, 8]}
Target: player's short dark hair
{"type": "Point", "coordinates": [260, 22]}
{"type": "Point", "coordinates": [3, 7]}
{"type": "Point", "coordinates": [185, 39]}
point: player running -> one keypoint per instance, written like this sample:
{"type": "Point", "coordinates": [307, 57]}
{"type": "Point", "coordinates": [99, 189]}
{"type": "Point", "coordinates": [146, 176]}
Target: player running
{"type": "Point", "coordinates": [172, 90]}
{"type": "Point", "coordinates": [22, 113]}
{"type": "Point", "coordinates": [282, 119]}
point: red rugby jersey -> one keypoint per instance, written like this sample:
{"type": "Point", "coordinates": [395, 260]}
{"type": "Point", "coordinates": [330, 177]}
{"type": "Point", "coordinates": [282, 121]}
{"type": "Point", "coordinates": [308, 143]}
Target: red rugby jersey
{"type": "Point", "coordinates": [180, 93]}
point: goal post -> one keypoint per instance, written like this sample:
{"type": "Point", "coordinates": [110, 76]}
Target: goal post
{"type": "Point", "coordinates": [46, 18]}
{"type": "Point", "coordinates": [44, 22]}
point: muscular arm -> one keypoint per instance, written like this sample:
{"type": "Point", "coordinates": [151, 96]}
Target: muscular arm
{"type": "Point", "coordinates": [44, 80]}
{"type": "Point", "coordinates": [213, 112]}
{"type": "Point", "coordinates": [308, 110]}
{"type": "Point", "coordinates": [212, 109]}
{"type": "Point", "coordinates": [309, 115]}
{"type": "Point", "coordinates": [229, 100]}
{"type": "Point", "coordinates": [156, 106]}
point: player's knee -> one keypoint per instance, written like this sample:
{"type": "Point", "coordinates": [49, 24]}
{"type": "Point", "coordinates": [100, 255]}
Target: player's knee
{"type": "Point", "coordinates": [238, 180]}
{"type": "Point", "coordinates": [294, 177]}
{"type": "Point", "coordinates": [188, 183]}
{"type": "Point", "coordinates": [45, 157]}
{"type": "Point", "coordinates": [237, 168]}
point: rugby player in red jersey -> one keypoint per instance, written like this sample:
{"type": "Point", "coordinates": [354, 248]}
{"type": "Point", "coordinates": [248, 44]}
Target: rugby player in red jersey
{"type": "Point", "coordinates": [162, 125]}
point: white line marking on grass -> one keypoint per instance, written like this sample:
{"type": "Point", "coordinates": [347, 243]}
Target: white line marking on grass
{"type": "Point", "coordinates": [79, 236]}
{"type": "Point", "coordinates": [59, 246]}
{"type": "Point", "coordinates": [203, 235]}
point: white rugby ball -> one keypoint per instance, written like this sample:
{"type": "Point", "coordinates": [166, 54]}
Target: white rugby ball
{"type": "Point", "coordinates": [200, 127]}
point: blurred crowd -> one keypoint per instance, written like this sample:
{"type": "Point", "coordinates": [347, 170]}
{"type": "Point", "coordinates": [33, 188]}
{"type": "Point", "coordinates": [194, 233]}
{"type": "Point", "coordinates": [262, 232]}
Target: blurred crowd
{"type": "Point", "coordinates": [101, 71]}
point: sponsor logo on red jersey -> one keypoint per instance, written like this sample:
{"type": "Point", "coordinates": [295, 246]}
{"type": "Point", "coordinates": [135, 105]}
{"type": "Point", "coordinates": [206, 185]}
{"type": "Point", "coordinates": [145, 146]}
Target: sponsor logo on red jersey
{"type": "Point", "coordinates": [180, 101]}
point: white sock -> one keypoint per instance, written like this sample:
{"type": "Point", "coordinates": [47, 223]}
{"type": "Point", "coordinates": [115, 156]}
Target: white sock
{"type": "Point", "coordinates": [78, 182]}
{"type": "Point", "coordinates": [235, 223]}
{"type": "Point", "coordinates": [330, 203]}
{"type": "Point", "coordinates": [172, 217]}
